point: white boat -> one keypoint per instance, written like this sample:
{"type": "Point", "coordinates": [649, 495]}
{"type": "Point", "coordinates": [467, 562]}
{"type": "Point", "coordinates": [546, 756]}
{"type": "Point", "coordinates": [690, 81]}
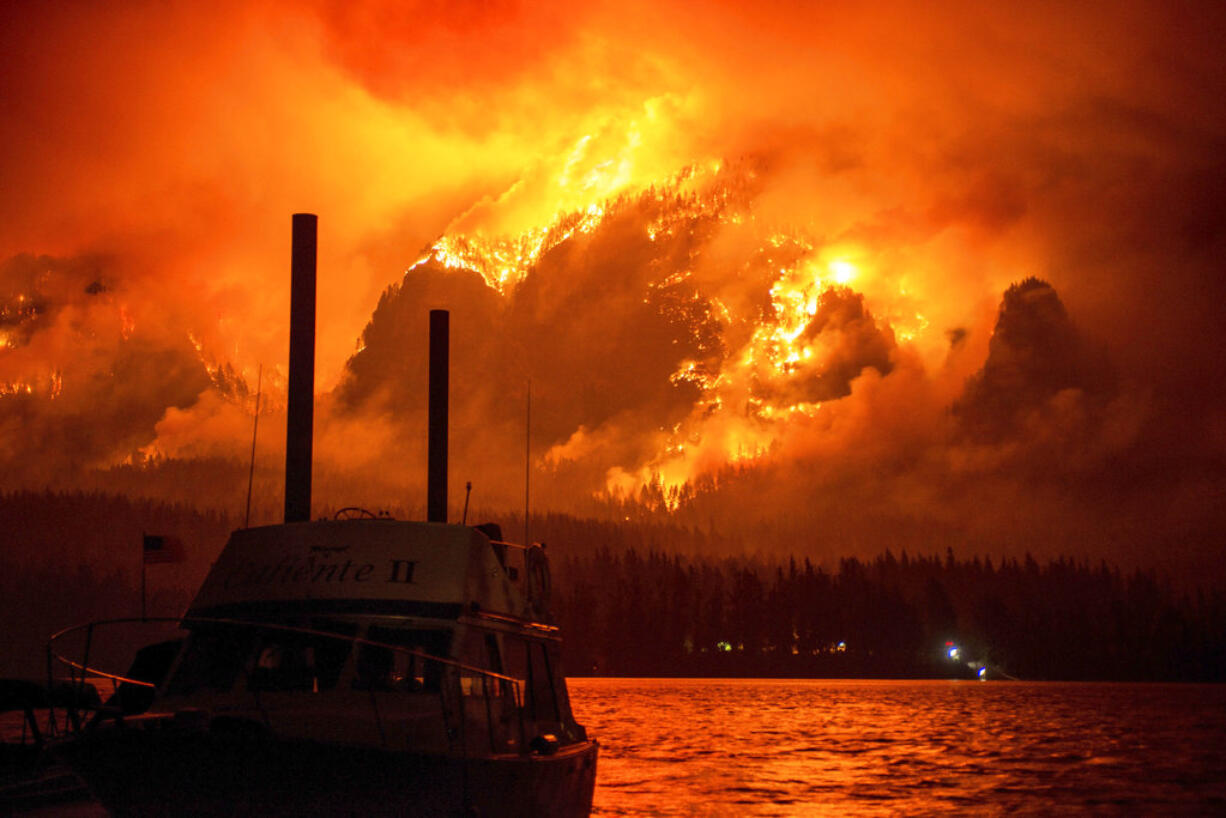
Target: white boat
{"type": "Point", "coordinates": [354, 666]}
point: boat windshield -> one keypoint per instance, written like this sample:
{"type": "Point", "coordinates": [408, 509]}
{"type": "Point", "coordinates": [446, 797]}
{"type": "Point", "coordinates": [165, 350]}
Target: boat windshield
{"type": "Point", "coordinates": [289, 661]}
{"type": "Point", "coordinates": [217, 655]}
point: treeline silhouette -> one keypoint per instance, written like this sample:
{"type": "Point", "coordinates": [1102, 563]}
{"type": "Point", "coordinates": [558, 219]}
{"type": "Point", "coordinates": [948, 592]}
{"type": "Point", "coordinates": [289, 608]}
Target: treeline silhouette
{"type": "Point", "coordinates": [652, 613]}
{"type": "Point", "coordinates": [649, 597]}
{"type": "Point", "coordinates": [71, 557]}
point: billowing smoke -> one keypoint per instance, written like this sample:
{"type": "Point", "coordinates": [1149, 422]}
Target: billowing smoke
{"type": "Point", "coordinates": [750, 259]}
{"type": "Point", "coordinates": [84, 380]}
{"type": "Point", "coordinates": [851, 340]}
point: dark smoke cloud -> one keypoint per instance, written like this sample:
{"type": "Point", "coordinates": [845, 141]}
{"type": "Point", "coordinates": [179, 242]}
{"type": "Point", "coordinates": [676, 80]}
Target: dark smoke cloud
{"type": "Point", "coordinates": [1035, 356]}
{"type": "Point", "coordinates": [86, 378]}
{"type": "Point", "coordinates": [38, 289]}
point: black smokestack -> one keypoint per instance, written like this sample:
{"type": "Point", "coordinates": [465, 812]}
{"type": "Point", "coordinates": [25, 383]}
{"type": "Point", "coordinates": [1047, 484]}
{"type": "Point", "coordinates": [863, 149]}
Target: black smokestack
{"type": "Point", "coordinates": [436, 456]}
{"type": "Point", "coordinates": [299, 424]}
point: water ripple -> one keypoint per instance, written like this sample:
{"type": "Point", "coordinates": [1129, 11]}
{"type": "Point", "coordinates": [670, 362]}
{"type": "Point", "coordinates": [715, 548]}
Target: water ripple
{"type": "Point", "coordinates": [783, 747]}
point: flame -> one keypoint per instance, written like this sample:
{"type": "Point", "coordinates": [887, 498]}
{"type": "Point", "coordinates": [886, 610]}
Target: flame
{"type": "Point", "coordinates": [751, 395]}
{"type": "Point", "coordinates": [503, 261]}
{"type": "Point", "coordinates": [842, 271]}
{"type": "Point", "coordinates": [127, 324]}
{"type": "Point", "coordinates": [51, 386]}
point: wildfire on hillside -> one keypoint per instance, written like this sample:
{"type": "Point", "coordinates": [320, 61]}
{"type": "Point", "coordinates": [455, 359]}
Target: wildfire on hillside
{"type": "Point", "coordinates": [885, 270]}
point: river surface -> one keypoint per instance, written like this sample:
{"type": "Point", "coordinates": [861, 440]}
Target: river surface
{"type": "Point", "coordinates": [753, 747]}
{"type": "Point", "coordinates": [816, 747]}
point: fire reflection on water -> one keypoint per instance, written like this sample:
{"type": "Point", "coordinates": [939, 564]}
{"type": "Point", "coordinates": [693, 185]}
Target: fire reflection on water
{"type": "Point", "coordinates": [799, 747]}
{"type": "Point", "coordinates": [733, 747]}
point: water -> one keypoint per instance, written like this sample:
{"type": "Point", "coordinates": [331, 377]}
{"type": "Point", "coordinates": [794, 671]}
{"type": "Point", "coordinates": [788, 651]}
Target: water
{"type": "Point", "coordinates": [816, 747]}
{"type": "Point", "coordinates": [785, 747]}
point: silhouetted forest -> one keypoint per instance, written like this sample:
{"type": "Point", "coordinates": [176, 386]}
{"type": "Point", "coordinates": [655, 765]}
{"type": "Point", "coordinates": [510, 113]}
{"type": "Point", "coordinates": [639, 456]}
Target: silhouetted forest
{"type": "Point", "coordinates": [650, 598]}
{"type": "Point", "coordinates": [67, 558]}
{"type": "Point", "coordinates": [651, 613]}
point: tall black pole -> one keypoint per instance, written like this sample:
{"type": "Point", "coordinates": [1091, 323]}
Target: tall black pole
{"type": "Point", "coordinates": [436, 454]}
{"type": "Point", "coordinates": [527, 460]}
{"type": "Point", "coordinates": [299, 424]}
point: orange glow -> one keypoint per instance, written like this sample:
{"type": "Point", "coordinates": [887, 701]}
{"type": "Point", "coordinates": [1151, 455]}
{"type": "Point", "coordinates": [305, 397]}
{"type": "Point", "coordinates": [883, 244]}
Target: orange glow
{"type": "Point", "coordinates": [760, 237]}
{"type": "Point", "coordinates": [842, 271]}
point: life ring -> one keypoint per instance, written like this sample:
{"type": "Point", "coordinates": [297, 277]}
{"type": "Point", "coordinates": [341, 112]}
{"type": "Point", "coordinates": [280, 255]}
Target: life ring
{"type": "Point", "coordinates": [539, 583]}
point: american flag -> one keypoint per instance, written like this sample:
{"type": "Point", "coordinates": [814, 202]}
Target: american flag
{"type": "Point", "coordinates": [159, 548]}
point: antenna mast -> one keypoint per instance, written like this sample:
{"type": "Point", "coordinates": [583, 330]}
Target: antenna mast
{"type": "Point", "coordinates": [255, 429]}
{"type": "Point", "coordinates": [527, 459]}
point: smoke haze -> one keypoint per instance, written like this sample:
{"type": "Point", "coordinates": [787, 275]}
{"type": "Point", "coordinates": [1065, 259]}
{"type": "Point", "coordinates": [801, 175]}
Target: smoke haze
{"type": "Point", "coordinates": [850, 277]}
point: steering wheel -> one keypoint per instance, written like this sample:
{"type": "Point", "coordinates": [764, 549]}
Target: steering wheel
{"type": "Point", "coordinates": [354, 513]}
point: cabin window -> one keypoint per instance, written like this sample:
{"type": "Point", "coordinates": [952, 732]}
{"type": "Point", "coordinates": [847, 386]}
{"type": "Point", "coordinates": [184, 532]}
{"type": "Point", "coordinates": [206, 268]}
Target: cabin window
{"type": "Point", "coordinates": [288, 661]}
{"type": "Point", "coordinates": [530, 662]}
{"type": "Point", "coordinates": [540, 682]}
{"type": "Point", "coordinates": [494, 658]}
{"type": "Point", "coordinates": [475, 684]}
{"type": "Point", "coordinates": [493, 654]}
{"type": "Point", "coordinates": [562, 701]}
{"type": "Point", "coordinates": [331, 654]}
{"type": "Point", "coordinates": [213, 660]}
{"type": "Point", "coordinates": [379, 667]}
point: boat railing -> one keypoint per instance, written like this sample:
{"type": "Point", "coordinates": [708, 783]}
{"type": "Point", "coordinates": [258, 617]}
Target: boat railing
{"type": "Point", "coordinates": [80, 673]}
{"type": "Point", "coordinates": [493, 684]}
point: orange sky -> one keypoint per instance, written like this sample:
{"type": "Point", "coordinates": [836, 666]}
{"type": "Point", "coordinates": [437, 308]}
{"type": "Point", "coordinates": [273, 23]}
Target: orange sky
{"type": "Point", "coordinates": [933, 153]}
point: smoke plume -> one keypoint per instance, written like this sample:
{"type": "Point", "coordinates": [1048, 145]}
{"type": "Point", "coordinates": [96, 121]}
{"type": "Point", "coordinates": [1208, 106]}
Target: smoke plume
{"type": "Point", "coordinates": [750, 260]}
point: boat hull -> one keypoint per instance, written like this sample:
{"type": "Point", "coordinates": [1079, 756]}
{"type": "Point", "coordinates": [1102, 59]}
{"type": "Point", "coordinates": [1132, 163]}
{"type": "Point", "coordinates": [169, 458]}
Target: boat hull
{"type": "Point", "coordinates": [200, 773]}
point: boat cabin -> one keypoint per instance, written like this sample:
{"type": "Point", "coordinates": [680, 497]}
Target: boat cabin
{"type": "Point", "coordinates": [426, 637]}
